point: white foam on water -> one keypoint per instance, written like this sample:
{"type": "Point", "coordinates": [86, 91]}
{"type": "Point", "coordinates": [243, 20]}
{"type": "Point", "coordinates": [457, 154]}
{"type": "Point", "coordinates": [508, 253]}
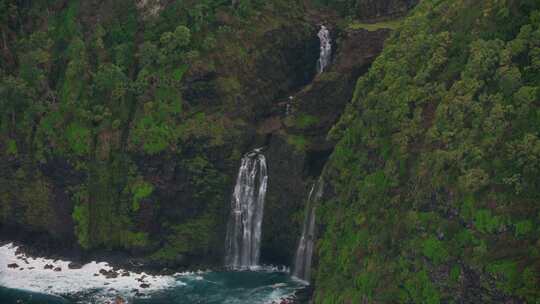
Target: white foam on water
{"type": "Point", "coordinates": [300, 281]}
{"type": "Point", "coordinates": [32, 276]}
{"type": "Point", "coordinates": [278, 295]}
{"type": "Point", "coordinates": [263, 268]}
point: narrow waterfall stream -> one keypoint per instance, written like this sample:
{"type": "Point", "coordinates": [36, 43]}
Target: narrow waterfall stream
{"type": "Point", "coordinates": [326, 49]}
{"type": "Point", "coordinates": [304, 252]}
{"type": "Point", "coordinates": [247, 205]}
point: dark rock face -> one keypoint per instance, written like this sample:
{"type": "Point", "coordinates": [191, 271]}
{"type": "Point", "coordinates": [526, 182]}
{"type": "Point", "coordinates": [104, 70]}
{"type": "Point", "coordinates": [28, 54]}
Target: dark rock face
{"type": "Point", "coordinates": [75, 265]}
{"type": "Point", "coordinates": [284, 199]}
{"type": "Point", "coordinates": [285, 64]}
{"type": "Point", "coordinates": [109, 274]}
{"type": "Point", "coordinates": [327, 96]}
{"type": "Point", "coordinates": [292, 171]}
{"type": "Point", "coordinates": [277, 61]}
{"type": "Point", "coordinates": [38, 200]}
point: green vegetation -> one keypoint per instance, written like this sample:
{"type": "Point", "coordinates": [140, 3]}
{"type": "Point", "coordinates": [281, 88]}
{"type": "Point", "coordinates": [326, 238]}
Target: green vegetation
{"type": "Point", "coordinates": [95, 91]}
{"type": "Point", "coordinates": [299, 142]}
{"type": "Point", "coordinates": [131, 121]}
{"type": "Point", "coordinates": [368, 9]}
{"type": "Point", "coordinates": [436, 169]}
{"type": "Point", "coordinates": [390, 24]}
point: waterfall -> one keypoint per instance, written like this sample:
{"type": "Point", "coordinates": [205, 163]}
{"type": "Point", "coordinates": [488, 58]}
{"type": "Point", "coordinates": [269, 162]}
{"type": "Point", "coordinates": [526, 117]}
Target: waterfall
{"type": "Point", "coordinates": [326, 49]}
{"type": "Point", "coordinates": [243, 239]}
{"type": "Point", "coordinates": [304, 252]}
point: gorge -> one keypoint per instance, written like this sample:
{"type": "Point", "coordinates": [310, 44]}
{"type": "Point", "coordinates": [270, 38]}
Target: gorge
{"type": "Point", "coordinates": [269, 152]}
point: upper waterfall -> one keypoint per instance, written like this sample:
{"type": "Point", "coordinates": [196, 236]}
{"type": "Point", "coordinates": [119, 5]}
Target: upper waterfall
{"type": "Point", "coordinates": [304, 252]}
{"type": "Point", "coordinates": [326, 49]}
{"type": "Point", "coordinates": [247, 205]}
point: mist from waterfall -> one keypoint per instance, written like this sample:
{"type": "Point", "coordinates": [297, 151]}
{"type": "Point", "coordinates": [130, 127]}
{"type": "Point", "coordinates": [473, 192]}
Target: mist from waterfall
{"type": "Point", "coordinates": [242, 249]}
{"type": "Point", "coordinates": [304, 252]}
{"type": "Point", "coordinates": [326, 49]}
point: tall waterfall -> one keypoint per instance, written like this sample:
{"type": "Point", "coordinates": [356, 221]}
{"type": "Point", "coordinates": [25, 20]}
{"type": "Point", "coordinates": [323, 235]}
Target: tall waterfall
{"type": "Point", "coordinates": [326, 49]}
{"type": "Point", "coordinates": [304, 252]}
{"type": "Point", "coordinates": [247, 205]}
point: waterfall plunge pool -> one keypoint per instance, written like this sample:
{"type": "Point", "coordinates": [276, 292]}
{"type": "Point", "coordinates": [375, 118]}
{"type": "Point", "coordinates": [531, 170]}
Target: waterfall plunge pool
{"type": "Point", "coordinates": [30, 283]}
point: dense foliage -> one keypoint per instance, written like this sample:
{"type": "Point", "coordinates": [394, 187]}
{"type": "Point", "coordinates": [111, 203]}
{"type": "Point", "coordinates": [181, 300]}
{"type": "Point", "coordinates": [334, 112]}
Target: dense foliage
{"type": "Point", "coordinates": [368, 9]}
{"type": "Point", "coordinates": [131, 117]}
{"type": "Point", "coordinates": [436, 169]}
{"type": "Point", "coordinates": [92, 91]}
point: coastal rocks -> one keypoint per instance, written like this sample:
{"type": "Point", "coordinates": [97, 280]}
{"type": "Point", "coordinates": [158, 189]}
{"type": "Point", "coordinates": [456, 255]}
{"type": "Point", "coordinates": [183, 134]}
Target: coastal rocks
{"type": "Point", "coordinates": [13, 265]}
{"type": "Point", "coordinates": [75, 265]}
{"type": "Point", "coordinates": [22, 258]}
{"type": "Point", "coordinates": [109, 274]}
{"type": "Point", "coordinates": [141, 279]}
{"type": "Point", "coordinates": [137, 293]}
{"type": "Point", "coordinates": [117, 300]}
{"type": "Point", "coordinates": [59, 279]}
{"type": "Point", "coordinates": [144, 285]}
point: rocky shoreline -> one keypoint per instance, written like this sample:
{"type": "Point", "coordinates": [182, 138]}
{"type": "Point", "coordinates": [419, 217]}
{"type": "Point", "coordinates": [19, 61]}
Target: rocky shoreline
{"type": "Point", "coordinates": [120, 264]}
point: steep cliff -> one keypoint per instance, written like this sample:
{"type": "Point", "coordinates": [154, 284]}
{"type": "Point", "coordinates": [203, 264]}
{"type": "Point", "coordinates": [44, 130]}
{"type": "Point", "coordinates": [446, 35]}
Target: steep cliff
{"type": "Point", "coordinates": [123, 123]}
{"type": "Point", "coordinates": [436, 170]}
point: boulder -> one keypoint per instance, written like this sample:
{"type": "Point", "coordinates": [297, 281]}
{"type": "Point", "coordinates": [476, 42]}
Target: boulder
{"type": "Point", "coordinates": [75, 265]}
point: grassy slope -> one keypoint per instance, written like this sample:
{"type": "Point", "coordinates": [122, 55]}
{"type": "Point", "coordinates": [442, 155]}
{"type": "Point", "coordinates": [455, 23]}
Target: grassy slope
{"type": "Point", "coordinates": [391, 24]}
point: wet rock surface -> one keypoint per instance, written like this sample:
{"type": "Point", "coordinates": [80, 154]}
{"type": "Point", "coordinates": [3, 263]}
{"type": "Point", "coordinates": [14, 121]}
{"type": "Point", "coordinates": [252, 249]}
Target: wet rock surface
{"type": "Point", "coordinates": [75, 265]}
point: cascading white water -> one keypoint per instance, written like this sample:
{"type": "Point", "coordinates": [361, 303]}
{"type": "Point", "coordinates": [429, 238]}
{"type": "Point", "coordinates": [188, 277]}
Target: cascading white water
{"type": "Point", "coordinates": [304, 252]}
{"type": "Point", "coordinates": [243, 240]}
{"type": "Point", "coordinates": [326, 49]}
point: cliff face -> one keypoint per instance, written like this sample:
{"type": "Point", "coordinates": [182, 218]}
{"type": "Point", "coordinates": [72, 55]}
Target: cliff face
{"type": "Point", "coordinates": [122, 125]}
{"type": "Point", "coordinates": [131, 147]}
{"type": "Point", "coordinates": [297, 144]}
{"type": "Point", "coordinates": [435, 171]}
{"type": "Point", "coordinates": [141, 175]}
